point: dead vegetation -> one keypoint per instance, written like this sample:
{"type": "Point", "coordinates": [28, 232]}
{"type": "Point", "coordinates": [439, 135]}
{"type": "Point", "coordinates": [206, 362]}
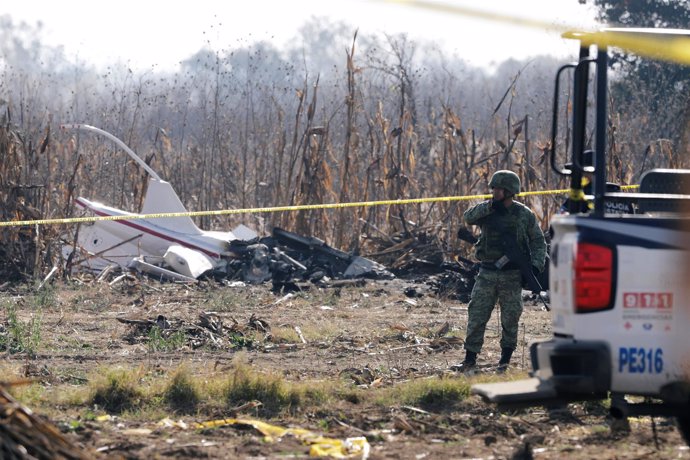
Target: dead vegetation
{"type": "Point", "coordinates": [24, 434]}
{"type": "Point", "coordinates": [126, 368]}
{"type": "Point", "coordinates": [305, 147]}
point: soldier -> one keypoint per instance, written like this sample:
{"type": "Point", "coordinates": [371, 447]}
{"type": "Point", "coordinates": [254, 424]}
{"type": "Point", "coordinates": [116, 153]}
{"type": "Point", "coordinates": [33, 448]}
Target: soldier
{"type": "Point", "coordinates": [503, 222]}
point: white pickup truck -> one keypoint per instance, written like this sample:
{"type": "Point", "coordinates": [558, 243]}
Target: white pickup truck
{"type": "Point", "coordinates": [619, 284]}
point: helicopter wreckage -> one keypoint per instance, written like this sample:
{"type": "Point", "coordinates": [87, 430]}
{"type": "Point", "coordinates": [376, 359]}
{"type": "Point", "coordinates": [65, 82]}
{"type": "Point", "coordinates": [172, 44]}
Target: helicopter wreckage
{"type": "Point", "coordinates": [174, 248]}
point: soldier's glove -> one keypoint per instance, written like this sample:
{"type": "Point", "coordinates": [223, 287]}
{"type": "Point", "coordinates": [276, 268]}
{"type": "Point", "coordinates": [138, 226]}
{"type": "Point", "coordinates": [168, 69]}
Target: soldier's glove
{"type": "Point", "coordinates": [497, 206]}
{"type": "Point", "coordinates": [536, 270]}
{"type": "Point", "coordinates": [465, 235]}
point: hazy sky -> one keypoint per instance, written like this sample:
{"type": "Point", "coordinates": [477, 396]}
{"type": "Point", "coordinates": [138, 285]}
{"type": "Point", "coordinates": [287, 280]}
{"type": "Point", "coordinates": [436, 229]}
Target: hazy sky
{"type": "Point", "coordinates": [146, 33]}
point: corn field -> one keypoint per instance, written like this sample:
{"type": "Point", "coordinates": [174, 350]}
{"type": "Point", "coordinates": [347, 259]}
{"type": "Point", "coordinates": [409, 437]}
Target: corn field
{"type": "Point", "coordinates": [250, 128]}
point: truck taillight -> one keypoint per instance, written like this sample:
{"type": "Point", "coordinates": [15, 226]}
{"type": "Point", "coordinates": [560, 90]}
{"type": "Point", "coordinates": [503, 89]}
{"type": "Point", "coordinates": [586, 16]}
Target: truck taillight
{"type": "Point", "coordinates": [593, 277]}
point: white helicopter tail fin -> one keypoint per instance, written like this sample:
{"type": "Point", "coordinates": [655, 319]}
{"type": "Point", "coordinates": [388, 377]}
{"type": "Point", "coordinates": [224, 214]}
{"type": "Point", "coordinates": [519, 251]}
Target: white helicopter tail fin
{"type": "Point", "coordinates": [161, 198]}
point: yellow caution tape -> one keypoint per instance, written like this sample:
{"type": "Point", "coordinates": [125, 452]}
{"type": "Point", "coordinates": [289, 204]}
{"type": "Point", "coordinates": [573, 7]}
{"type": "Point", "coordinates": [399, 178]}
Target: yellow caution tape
{"type": "Point", "coordinates": [671, 47]}
{"type": "Point", "coordinates": [304, 207]}
{"type": "Point", "coordinates": [480, 14]}
{"type": "Point", "coordinates": [320, 446]}
{"type": "Point", "coordinates": [223, 212]}
{"type": "Point", "coordinates": [577, 194]}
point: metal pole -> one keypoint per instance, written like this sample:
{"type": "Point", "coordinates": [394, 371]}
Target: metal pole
{"type": "Point", "coordinates": [601, 125]}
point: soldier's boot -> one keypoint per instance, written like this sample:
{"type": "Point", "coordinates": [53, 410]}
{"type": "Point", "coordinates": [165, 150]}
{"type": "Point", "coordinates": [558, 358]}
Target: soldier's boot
{"type": "Point", "coordinates": [504, 362]}
{"type": "Point", "coordinates": [468, 363]}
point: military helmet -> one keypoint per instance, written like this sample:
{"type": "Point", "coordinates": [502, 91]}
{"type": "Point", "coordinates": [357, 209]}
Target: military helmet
{"type": "Point", "coordinates": [507, 180]}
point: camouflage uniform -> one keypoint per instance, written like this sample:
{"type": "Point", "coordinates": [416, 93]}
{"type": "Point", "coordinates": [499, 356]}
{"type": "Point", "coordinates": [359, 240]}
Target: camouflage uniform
{"type": "Point", "coordinates": [503, 285]}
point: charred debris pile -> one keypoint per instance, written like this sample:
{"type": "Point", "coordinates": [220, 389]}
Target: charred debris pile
{"type": "Point", "coordinates": [420, 255]}
{"type": "Point", "coordinates": [293, 262]}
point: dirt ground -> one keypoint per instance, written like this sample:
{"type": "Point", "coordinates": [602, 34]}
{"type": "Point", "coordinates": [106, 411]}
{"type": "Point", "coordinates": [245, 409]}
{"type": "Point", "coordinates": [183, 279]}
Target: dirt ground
{"type": "Point", "coordinates": [371, 337]}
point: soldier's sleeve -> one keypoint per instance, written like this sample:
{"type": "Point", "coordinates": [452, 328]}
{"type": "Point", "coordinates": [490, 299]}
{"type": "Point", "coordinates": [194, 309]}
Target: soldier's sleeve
{"type": "Point", "coordinates": [476, 213]}
{"type": "Point", "coordinates": [537, 242]}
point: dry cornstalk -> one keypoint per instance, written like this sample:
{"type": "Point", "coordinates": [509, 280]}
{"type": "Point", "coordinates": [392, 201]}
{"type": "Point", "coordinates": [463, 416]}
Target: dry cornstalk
{"type": "Point", "coordinates": [24, 434]}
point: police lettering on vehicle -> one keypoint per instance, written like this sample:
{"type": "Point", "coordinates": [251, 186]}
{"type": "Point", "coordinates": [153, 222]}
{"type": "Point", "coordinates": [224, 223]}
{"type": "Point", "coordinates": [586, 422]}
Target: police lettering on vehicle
{"type": "Point", "coordinates": [618, 207]}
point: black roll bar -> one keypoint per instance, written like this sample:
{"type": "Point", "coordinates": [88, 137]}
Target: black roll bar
{"type": "Point", "coordinates": [554, 123]}
{"type": "Point", "coordinates": [554, 120]}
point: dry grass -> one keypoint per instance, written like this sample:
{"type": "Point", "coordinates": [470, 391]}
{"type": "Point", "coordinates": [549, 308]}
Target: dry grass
{"type": "Point", "coordinates": [182, 392]}
{"type": "Point", "coordinates": [117, 390]}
